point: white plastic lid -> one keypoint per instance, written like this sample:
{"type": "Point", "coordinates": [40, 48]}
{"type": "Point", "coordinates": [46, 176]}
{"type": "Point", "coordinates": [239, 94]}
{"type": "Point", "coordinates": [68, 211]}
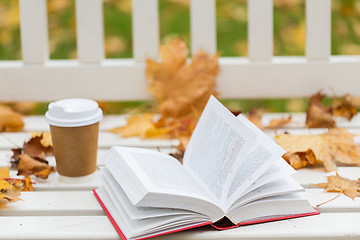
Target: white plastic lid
{"type": "Point", "coordinates": [74, 112]}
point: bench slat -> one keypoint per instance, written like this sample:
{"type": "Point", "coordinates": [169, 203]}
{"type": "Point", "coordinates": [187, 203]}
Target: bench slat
{"type": "Point", "coordinates": [34, 31]}
{"type": "Point", "coordinates": [49, 203]}
{"type": "Point", "coordinates": [89, 29]}
{"type": "Point", "coordinates": [57, 227]}
{"type": "Point", "coordinates": [260, 29]}
{"type": "Point", "coordinates": [106, 140]}
{"type": "Point", "coordinates": [99, 227]}
{"type": "Point", "coordinates": [145, 20]}
{"type": "Point", "coordinates": [73, 202]}
{"type": "Point", "coordinates": [203, 26]}
{"type": "Point", "coordinates": [318, 29]}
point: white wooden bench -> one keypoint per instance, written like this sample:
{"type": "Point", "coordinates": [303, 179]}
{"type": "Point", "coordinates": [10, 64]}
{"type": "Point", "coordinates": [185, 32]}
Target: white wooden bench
{"type": "Point", "coordinates": [56, 210]}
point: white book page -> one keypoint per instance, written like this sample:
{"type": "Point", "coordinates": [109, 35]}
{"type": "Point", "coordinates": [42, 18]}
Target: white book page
{"type": "Point", "coordinates": [272, 208]}
{"type": "Point", "coordinates": [278, 170]}
{"type": "Point", "coordinates": [219, 142]}
{"type": "Point", "coordinates": [281, 186]}
{"type": "Point", "coordinates": [118, 195]}
{"type": "Point", "coordinates": [261, 157]}
{"type": "Point", "coordinates": [156, 172]}
{"type": "Point", "coordinates": [257, 162]}
{"type": "Point", "coordinates": [153, 179]}
{"type": "Point", "coordinates": [135, 228]}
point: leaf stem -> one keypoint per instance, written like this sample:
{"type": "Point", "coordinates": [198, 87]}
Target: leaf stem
{"type": "Point", "coordinates": [330, 199]}
{"type": "Point", "coordinates": [18, 179]}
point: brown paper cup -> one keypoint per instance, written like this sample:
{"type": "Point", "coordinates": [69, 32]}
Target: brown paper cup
{"type": "Point", "coordinates": [75, 149]}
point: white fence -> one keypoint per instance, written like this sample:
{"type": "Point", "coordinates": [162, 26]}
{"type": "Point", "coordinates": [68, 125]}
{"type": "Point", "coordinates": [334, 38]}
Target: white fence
{"type": "Point", "coordinates": [259, 75]}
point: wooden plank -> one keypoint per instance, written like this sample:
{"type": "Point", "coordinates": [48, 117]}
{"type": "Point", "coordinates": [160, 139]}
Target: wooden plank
{"type": "Point", "coordinates": [298, 120]}
{"type": "Point", "coordinates": [89, 29]}
{"type": "Point", "coordinates": [203, 26]}
{"type": "Point", "coordinates": [274, 78]}
{"type": "Point", "coordinates": [38, 123]}
{"type": "Point", "coordinates": [53, 183]}
{"type": "Point", "coordinates": [57, 227]}
{"type": "Point", "coordinates": [342, 203]}
{"type": "Point", "coordinates": [34, 31]}
{"type": "Point", "coordinates": [145, 21]}
{"type": "Point", "coordinates": [55, 78]}
{"type": "Point", "coordinates": [260, 36]}
{"type": "Point", "coordinates": [99, 227]}
{"type": "Point", "coordinates": [309, 176]}
{"type": "Point", "coordinates": [318, 29]}
{"type": "Point", "coordinates": [106, 140]}
{"type": "Point", "coordinates": [50, 203]}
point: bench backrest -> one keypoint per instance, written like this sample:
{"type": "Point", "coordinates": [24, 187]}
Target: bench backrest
{"type": "Point", "coordinates": [257, 76]}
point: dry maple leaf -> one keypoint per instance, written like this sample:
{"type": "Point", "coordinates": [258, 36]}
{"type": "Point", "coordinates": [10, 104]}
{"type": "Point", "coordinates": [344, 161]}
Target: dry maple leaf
{"type": "Point", "coordinates": [142, 126]}
{"type": "Point", "coordinates": [300, 159]}
{"type": "Point", "coordinates": [30, 160]}
{"type": "Point", "coordinates": [35, 147]}
{"type": "Point", "coordinates": [10, 121]}
{"type": "Point", "coordinates": [335, 146]}
{"type": "Point", "coordinates": [177, 86]}
{"type": "Point", "coordinates": [255, 116]}
{"type": "Point", "coordinates": [45, 139]}
{"type": "Point", "coordinates": [345, 107]}
{"type": "Point", "coordinates": [317, 115]}
{"type": "Point", "coordinates": [27, 165]}
{"type": "Point", "coordinates": [350, 188]}
{"type": "Point", "coordinates": [278, 123]}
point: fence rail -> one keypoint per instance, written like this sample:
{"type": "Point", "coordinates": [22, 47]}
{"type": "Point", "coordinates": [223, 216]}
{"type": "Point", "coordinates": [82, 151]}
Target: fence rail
{"type": "Point", "coordinates": [259, 75]}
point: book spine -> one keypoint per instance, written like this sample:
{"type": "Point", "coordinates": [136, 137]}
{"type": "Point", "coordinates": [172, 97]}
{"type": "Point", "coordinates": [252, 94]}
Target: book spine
{"type": "Point", "coordinates": [316, 212]}
{"type": "Point", "coordinates": [112, 220]}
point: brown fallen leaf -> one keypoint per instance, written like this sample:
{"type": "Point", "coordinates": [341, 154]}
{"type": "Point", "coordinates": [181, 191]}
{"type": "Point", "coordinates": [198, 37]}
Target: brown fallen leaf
{"type": "Point", "coordinates": [278, 123]}
{"type": "Point", "coordinates": [335, 146]}
{"type": "Point", "coordinates": [255, 116]}
{"type": "Point", "coordinates": [345, 107]}
{"type": "Point", "coordinates": [35, 147]}
{"type": "Point", "coordinates": [177, 86]}
{"type": "Point", "coordinates": [24, 107]}
{"type": "Point", "coordinates": [45, 139]}
{"type": "Point", "coordinates": [10, 121]}
{"type": "Point", "coordinates": [317, 115]}
{"type": "Point", "coordinates": [350, 188]}
{"type": "Point", "coordinates": [300, 159]}
{"type": "Point", "coordinates": [30, 160]}
{"type": "Point", "coordinates": [37, 168]}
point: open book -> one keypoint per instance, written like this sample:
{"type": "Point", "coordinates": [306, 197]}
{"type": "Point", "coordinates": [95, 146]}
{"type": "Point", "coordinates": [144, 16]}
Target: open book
{"type": "Point", "coordinates": [231, 169]}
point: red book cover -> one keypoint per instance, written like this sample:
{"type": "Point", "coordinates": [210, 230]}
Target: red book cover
{"type": "Point", "coordinates": [222, 227]}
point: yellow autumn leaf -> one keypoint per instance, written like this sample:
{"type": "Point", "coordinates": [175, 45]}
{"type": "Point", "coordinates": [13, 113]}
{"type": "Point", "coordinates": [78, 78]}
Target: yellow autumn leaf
{"type": "Point", "coordinates": [280, 122]}
{"type": "Point", "coordinates": [177, 86]}
{"type": "Point", "coordinates": [7, 191]}
{"type": "Point", "coordinates": [142, 126]}
{"type": "Point", "coordinates": [10, 121]}
{"type": "Point", "coordinates": [350, 188]}
{"type": "Point", "coordinates": [4, 173]}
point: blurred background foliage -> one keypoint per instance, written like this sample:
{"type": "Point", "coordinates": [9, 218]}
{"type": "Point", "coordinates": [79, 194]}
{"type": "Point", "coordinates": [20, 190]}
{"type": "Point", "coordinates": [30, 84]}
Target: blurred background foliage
{"type": "Point", "coordinates": [231, 16]}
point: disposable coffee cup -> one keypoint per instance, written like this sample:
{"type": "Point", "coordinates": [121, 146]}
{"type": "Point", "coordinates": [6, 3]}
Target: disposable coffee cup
{"type": "Point", "coordinates": [74, 127]}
